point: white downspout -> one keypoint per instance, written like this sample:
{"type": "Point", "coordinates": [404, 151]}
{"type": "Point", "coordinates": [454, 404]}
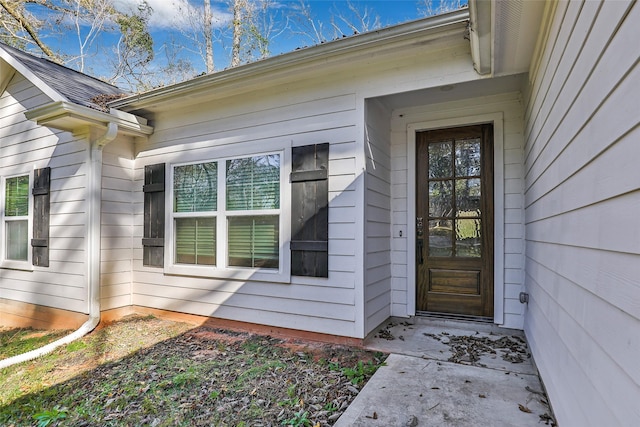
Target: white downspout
{"type": "Point", "coordinates": [94, 194]}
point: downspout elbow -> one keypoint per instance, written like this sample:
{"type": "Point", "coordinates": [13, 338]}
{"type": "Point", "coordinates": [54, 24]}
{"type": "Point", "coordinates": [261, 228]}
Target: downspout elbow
{"type": "Point", "coordinates": [110, 134]}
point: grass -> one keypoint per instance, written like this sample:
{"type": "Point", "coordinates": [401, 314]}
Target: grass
{"type": "Point", "coordinates": [18, 341]}
{"type": "Point", "coordinates": [147, 371]}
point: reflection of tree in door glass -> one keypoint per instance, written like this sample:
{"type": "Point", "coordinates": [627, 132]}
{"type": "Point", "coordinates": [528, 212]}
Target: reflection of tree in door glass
{"type": "Point", "coordinates": [468, 157]}
{"type": "Point", "coordinates": [454, 198]}
{"type": "Point", "coordinates": [440, 160]}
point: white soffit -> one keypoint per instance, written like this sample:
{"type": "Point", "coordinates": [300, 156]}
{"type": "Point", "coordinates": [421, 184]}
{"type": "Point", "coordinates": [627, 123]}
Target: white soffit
{"type": "Point", "coordinates": [515, 28]}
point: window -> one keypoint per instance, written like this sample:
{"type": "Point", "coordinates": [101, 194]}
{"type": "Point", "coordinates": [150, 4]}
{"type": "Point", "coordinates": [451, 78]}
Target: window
{"type": "Point", "coordinates": [253, 201]}
{"type": "Point", "coordinates": [226, 213]}
{"type": "Point", "coordinates": [195, 200]}
{"type": "Point", "coordinates": [16, 218]}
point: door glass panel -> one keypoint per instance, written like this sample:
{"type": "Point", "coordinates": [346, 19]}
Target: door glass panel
{"type": "Point", "coordinates": [440, 160]}
{"type": "Point", "coordinates": [440, 198]}
{"type": "Point", "coordinates": [468, 197]}
{"type": "Point", "coordinates": [455, 198]}
{"type": "Point", "coordinates": [440, 238]}
{"type": "Point", "coordinates": [468, 157]}
{"type": "Point", "coordinates": [468, 238]}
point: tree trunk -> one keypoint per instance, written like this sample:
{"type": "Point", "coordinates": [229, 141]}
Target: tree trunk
{"type": "Point", "coordinates": [237, 32]}
{"type": "Point", "coordinates": [15, 13]}
{"type": "Point", "coordinates": [208, 35]}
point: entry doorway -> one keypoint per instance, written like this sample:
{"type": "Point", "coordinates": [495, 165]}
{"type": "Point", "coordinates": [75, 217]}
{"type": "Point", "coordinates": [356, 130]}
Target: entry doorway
{"type": "Point", "coordinates": [454, 221]}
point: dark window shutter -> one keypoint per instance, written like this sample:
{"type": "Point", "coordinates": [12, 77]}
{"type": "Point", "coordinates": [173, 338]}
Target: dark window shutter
{"type": "Point", "coordinates": [41, 210]}
{"type": "Point", "coordinates": [309, 210]}
{"type": "Point", "coordinates": [153, 237]}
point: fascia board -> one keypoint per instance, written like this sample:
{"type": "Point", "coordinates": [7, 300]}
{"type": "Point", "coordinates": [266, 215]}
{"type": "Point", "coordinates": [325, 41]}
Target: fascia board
{"type": "Point", "coordinates": [430, 27]}
{"type": "Point", "coordinates": [70, 117]}
{"type": "Point", "coordinates": [53, 94]}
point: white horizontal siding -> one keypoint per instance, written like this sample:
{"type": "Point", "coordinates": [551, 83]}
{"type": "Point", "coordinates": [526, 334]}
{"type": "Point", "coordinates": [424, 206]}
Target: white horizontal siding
{"type": "Point", "coordinates": [116, 255]}
{"type": "Point", "coordinates": [582, 195]}
{"type": "Point", "coordinates": [509, 105]}
{"type": "Point", "coordinates": [239, 126]}
{"type": "Point", "coordinates": [26, 146]}
{"type": "Point", "coordinates": [377, 244]}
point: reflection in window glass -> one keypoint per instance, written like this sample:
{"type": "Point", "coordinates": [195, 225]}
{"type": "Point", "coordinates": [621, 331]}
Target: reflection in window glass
{"type": "Point", "coordinates": [254, 241]}
{"type": "Point", "coordinates": [468, 157]}
{"type": "Point", "coordinates": [455, 198]}
{"type": "Point", "coordinates": [17, 196]}
{"type": "Point", "coordinates": [17, 233]}
{"type": "Point", "coordinates": [253, 183]}
{"type": "Point", "coordinates": [196, 241]}
{"type": "Point", "coordinates": [468, 197]}
{"type": "Point", "coordinates": [16, 211]}
{"type": "Point", "coordinates": [247, 219]}
{"type": "Point", "coordinates": [440, 160]}
{"type": "Point", "coordinates": [195, 187]}
{"type": "Point", "coordinates": [440, 238]}
{"type": "Point", "coordinates": [440, 198]}
{"type": "Point", "coordinates": [468, 238]}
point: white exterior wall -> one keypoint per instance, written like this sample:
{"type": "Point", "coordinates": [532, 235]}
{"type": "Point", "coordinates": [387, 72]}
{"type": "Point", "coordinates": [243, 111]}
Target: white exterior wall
{"type": "Point", "coordinates": [25, 146]}
{"type": "Point", "coordinates": [116, 263]}
{"type": "Point", "coordinates": [207, 132]}
{"type": "Point", "coordinates": [509, 221]}
{"type": "Point", "coordinates": [320, 108]}
{"type": "Point", "coordinates": [377, 240]}
{"type": "Point", "coordinates": [582, 199]}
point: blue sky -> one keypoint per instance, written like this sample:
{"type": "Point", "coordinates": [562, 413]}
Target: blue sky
{"type": "Point", "coordinates": [173, 32]}
{"type": "Point", "coordinates": [164, 22]}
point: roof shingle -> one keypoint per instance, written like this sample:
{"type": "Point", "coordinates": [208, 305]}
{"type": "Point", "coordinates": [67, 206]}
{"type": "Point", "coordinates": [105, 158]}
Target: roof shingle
{"type": "Point", "coordinates": [77, 87]}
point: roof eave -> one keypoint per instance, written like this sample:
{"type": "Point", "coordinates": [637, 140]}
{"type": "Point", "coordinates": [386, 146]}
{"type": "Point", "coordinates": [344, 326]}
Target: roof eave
{"type": "Point", "coordinates": [53, 94]}
{"type": "Point", "coordinates": [74, 118]}
{"type": "Point", "coordinates": [434, 25]}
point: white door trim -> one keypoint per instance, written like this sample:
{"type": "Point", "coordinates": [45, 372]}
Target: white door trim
{"type": "Point", "coordinates": [498, 203]}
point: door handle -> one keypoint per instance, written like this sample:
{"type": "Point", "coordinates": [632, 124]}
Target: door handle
{"type": "Point", "coordinates": [419, 248]}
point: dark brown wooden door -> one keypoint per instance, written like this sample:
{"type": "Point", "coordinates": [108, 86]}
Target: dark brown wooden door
{"type": "Point", "coordinates": [454, 221]}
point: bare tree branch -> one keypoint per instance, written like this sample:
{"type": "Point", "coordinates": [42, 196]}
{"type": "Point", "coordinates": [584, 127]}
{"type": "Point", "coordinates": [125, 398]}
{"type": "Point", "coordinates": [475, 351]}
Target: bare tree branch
{"type": "Point", "coordinates": [14, 11]}
{"type": "Point", "coordinates": [432, 7]}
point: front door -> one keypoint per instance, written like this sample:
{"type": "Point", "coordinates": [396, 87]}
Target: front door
{"type": "Point", "coordinates": [454, 221]}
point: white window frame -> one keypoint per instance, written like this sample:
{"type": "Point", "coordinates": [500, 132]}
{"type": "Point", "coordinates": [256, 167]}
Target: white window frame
{"type": "Point", "coordinates": [222, 269]}
{"type": "Point", "coordinates": [10, 263]}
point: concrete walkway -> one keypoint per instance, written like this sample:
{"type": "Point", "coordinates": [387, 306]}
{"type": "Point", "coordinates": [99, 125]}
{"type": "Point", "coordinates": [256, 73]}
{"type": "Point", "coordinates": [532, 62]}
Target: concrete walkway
{"type": "Point", "coordinates": [492, 381]}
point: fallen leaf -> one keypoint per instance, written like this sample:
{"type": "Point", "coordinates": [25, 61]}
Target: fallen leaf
{"type": "Point", "coordinates": [524, 408]}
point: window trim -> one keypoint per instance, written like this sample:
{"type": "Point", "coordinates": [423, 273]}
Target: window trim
{"type": "Point", "coordinates": [10, 263]}
{"type": "Point", "coordinates": [222, 270]}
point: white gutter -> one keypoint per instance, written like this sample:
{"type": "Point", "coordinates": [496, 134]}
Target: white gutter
{"type": "Point", "coordinates": [410, 32]}
{"type": "Point", "coordinates": [94, 194]}
{"type": "Point", "coordinates": [68, 116]}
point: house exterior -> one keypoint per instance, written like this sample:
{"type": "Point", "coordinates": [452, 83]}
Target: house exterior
{"type": "Point", "coordinates": [477, 164]}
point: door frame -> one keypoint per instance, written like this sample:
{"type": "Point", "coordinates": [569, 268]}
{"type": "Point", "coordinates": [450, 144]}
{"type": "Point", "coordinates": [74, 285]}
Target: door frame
{"type": "Point", "coordinates": [498, 203]}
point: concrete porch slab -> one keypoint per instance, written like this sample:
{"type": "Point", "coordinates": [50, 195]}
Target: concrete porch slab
{"type": "Point", "coordinates": [419, 386]}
